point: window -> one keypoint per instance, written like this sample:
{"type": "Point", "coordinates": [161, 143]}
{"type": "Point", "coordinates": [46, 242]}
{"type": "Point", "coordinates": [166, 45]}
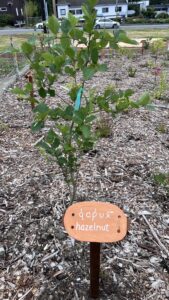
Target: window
{"type": "Point", "coordinates": [63, 12]}
{"type": "Point", "coordinates": [21, 11]}
{"type": "Point", "coordinates": [3, 8]}
{"type": "Point", "coordinates": [72, 11]}
{"type": "Point", "coordinates": [17, 12]}
{"type": "Point", "coordinates": [78, 12]}
{"type": "Point", "coordinates": [119, 8]}
{"type": "Point", "coordinates": [105, 10]}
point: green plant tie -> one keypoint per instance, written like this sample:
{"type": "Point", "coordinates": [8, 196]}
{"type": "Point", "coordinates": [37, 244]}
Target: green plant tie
{"type": "Point", "coordinates": [78, 99]}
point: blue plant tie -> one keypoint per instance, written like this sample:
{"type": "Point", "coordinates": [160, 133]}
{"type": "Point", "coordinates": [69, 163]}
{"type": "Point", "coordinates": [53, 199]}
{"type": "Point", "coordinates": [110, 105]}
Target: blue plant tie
{"type": "Point", "coordinates": [78, 99]}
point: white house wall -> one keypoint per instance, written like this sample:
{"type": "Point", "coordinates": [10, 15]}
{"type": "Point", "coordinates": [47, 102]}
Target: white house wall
{"type": "Point", "coordinates": [111, 10]}
{"type": "Point", "coordinates": [60, 9]}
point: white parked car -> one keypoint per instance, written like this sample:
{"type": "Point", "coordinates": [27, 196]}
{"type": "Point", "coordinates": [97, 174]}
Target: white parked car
{"type": "Point", "coordinates": [38, 26]}
{"type": "Point", "coordinates": [106, 23]}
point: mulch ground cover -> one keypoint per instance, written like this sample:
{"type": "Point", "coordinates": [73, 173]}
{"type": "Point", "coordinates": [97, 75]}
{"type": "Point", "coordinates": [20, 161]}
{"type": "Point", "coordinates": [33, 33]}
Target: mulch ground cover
{"type": "Point", "coordinates": [38, 260]}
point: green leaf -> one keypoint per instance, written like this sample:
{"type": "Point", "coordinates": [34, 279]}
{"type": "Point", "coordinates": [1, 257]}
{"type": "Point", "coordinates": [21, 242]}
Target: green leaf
{"type": "Point", "coordinates": [37, 125]}
{"type": "Point", "coordinates": [70, 71]}
{"type": "Point", "coordinates": [65, 26]}
{"type": "Point", "coordinates": [128, 93]}
{"type": "Point", "coordinates": [43, 145]}
{"type": "Point", "coordinates": [85, 131]}
{"type": "Point", "coordinates": [72, 19]}
{"type": "Point", "coordinates": [94, 55]}
{"type": "Point", "coordinates": [161, 178]}
{"type": "Point", "coordinates": [144, 100]}
{"type": "Point", "coordinates": [42, 92]}
{"type": "Point", "coordinates": [68, 113]}
{"type": "Point", "coordinates": [27, 48]}
{"type": "Point", "coordinates": [49, 58]}
{"type": "Point", "coordinates": [90, 119]}
{"type": "Point", "coordinates": [102, 68]}
{"type": "Point", "coordinates": [53, 24]}
{"type": "Point", "coordinates": [73, 92]}
{"type": "Point", "coordinates": [85, 11]}
{"type": "Point", "coordinates": [18, 91]}
{"type": "Point", "coordinates": [122, 105]}
{"type": "Point", "coordinates": [53, 139]}
{"type": "Point", "coordinates": [79, 117]}
{"type": "Point", "coordinates": [65, 41]}
{"type": "Point", "coordinates": [70, 52]}
{"type": "Point", "coordinates": [76, 34]}
{"type": "Point", "coordinates": [41, 108]}
{"type": "Point", "coordinates": [122, 37]}
{"type": "Point", "coordinates": [51, 92]}
{"type": "Point", "coordinates": [88, 72]}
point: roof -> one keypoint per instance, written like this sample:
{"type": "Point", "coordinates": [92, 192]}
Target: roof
{"type": "Point", "coordinates": [100, 2]}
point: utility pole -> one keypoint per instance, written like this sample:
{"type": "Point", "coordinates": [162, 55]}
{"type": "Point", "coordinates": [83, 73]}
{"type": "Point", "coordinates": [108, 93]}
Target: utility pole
{"type": "Point", "coordinates": [42, 10]}
{"type": "Point", "coordinates": [45, 9]}
{"type": "Point", "coordinates": [54, 7]}
{"type": "Point", "coordinates": [116, 7]}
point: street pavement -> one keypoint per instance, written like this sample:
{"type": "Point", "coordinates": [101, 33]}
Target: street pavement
{"type": "Point", "coordinates": [14, 31]}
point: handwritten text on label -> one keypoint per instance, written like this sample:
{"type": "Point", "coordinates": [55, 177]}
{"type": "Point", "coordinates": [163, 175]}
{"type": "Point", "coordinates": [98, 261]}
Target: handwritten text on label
{"type": "Point", "coordinates": [95, 222]}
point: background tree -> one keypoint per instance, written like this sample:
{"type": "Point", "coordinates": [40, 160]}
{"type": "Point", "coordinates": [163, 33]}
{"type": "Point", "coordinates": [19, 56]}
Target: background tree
{"type": "Point", "coordinates": [30, 9]}
{"type": "Point", "coordinates": [149, 13]}
{"type": "Point", "coordinates": [158, 2]}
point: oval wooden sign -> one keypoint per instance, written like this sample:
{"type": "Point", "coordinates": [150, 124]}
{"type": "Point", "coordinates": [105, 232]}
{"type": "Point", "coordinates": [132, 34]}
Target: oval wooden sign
{"type": "Point", "coordinates": [100, 222]}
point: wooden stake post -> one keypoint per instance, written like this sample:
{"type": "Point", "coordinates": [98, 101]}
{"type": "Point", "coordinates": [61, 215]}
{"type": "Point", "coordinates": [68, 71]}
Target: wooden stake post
{"type": "Point", "coordinates": [95, 222]}
{"type": "Point", "coordinates": [94, 269]}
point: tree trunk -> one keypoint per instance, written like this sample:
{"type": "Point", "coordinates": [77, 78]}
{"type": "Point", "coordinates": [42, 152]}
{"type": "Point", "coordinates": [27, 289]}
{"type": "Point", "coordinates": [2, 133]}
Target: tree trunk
{"type": "Point", "coordinates": [54, 2]}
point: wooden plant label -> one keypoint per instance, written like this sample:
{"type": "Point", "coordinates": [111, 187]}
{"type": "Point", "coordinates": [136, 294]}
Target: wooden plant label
{"type": "Point", "coordinates": [100, 222]}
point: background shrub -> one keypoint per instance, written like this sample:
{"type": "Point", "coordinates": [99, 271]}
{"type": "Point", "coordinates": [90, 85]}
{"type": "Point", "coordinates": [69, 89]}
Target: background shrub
{"type": "Point", "coordinates": [149, 13]}
{"type": "Point", "coordinates": [162, 15]}
{"type": "Point", "coordinates": [6, 20]}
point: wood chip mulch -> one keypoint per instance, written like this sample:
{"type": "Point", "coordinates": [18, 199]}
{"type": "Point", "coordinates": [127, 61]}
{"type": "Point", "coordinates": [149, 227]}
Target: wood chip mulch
{"type": "Point", "coordinates": [38, 260]}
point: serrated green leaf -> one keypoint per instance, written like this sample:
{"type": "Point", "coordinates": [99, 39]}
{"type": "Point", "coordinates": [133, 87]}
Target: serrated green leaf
{"type": "Point", "coordinates": [53, 139]}
{"type": "Point", "coordinates": [18, 91]}
{"type": "Point", "coordinates": [128, 93]}
{"type": "Point", "coordinates": [41, 108]}
{"type": "Point", "coordinates": [49, 58]}
{"type": "Point", "coordinates": [70, 71]}
{"type": "Point", "coordinates": [122, 37]}
{"type": "Point", "coordinates": [65, 41]}
{"type": "Point", "coordinates": [85, 131]}
{"type": "Point", "coordinates": [42, 92]}
{"type": "Point", "coordinates": [90, 119]}
{"type": "Point", "coordinates": [51, 92]}
{"type": "Point", "coordinates": [53, 24]}
{"type": "Point", "coordinates": [144, 100]}
{"type": "Point", "coordinates": [70, 52]}
{"type": "Point", "coordinates": [37, 125]}
{"type": "Point", "coordinates": [27, 48]}
{"type": "Point", "coordinates": [94, 55]}
{"type": "Point", "coordinates": [88, 72]}
{"type": "Point", "coordinates": [72, 19]}
{"type": "Point", "coordinates": [122, 105]}
{"type": "Point", "coordinates": [66, 26]}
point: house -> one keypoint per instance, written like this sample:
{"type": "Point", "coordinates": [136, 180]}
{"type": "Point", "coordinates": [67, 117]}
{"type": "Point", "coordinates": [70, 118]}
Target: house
{"type": "Point", "coordinates": [105, 8]}
{"type": "Point", "coordinates": [13, 8]}
{"type": "Point", "coordinates": [143, 4]}
{"type": "Point", "coordinates": [161, 8]}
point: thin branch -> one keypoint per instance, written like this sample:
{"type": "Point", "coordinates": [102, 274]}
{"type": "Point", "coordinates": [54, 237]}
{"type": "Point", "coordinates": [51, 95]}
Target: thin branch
{"type": "Point", "coordinates": [160, 244]}
{"type": "Point", "coordinates": [21, 298]}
